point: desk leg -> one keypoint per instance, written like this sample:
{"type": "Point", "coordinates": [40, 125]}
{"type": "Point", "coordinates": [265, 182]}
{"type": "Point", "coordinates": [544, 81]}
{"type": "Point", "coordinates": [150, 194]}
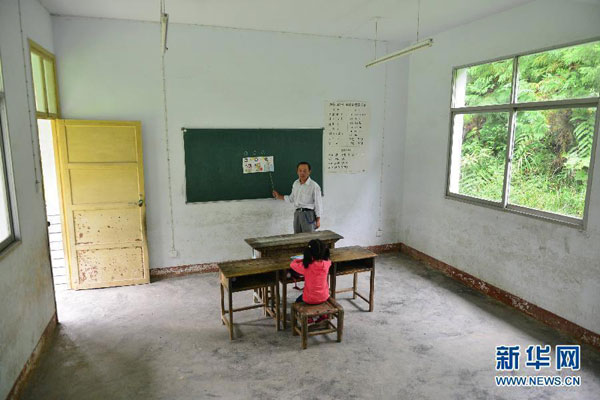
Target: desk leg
{"type": "Point", "coordinates": [372, 291]}
{"type": "Point", "coordinates": [256, 292]}
{"type": "Point", "coordinates": [284, 298]}
{"type": "Point", "coordinates": [230, 312]}
{"type": "Point", "coordinates": [277, 299]}
{"type": "Point", "coordinates": [333, 280]}
{"type": "Point", "coordinates": [222, 303]}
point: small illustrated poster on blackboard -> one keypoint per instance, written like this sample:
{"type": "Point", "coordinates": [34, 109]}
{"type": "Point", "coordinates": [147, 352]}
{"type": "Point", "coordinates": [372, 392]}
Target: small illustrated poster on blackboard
{"type": "Point", "coordinates": [253, 165]}
{"type": "Point", "coordinates": [346, 133]}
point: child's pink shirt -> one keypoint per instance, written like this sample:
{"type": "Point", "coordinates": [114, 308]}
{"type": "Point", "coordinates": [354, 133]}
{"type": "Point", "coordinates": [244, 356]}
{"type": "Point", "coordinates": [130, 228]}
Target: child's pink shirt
{"type": "Point", "coordinates": [316, 288]}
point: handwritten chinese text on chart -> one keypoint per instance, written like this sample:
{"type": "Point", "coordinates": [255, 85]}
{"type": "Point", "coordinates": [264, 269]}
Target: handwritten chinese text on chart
{"type": "Point", "coordinates": [346, 133]}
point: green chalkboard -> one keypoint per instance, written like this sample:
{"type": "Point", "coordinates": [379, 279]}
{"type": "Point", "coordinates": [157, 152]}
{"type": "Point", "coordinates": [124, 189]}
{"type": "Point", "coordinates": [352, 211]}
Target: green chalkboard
{"type": "Point", "coordinates": [213, 161]}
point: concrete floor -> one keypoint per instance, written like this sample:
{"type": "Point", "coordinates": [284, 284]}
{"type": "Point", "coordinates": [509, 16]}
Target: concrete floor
{"type": "Point", "coordinates": [428, 338]}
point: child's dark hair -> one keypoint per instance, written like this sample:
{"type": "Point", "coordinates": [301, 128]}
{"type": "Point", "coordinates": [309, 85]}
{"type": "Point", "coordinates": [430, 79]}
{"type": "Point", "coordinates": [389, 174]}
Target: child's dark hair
{"type": "Point", "coordinates": [316, 250]}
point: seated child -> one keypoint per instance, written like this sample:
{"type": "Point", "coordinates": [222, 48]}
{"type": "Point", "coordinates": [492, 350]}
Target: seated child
{"type": "Point", "coordinates": [315, 267]}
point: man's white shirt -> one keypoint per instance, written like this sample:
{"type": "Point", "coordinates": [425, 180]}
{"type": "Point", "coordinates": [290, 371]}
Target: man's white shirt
{"type": "Point", "coordinates": [306, 195]}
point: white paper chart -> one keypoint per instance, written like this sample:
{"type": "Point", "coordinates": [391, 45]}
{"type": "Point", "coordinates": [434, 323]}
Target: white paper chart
{"type": "Point", "coordinates": [252, 165]}
{"type": "Point", "coordinates": [346, 134]}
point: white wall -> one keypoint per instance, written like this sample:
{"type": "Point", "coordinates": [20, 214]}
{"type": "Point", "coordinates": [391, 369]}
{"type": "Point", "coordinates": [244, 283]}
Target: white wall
{"type": "Point", "coordinates": [553, 266]}
{"type": "Point", "coordinates": [232, 78]}
{"type": "Point", "coordinates": [26, 294]}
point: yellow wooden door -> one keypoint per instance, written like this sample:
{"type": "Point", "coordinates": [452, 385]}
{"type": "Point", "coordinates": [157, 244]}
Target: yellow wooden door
{"type": "Point", "coordinates": [101, 179]}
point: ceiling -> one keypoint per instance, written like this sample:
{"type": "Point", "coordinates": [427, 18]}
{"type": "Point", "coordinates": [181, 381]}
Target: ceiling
{"type": "Point", "coordinates": [341, 18]}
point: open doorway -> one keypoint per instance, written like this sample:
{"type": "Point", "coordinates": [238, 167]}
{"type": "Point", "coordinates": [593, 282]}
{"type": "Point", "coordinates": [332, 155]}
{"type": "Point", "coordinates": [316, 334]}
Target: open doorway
{"type": "Point", "coordinates": [93, 188]}
{"type": "Point", "coordinates": [51, 196]}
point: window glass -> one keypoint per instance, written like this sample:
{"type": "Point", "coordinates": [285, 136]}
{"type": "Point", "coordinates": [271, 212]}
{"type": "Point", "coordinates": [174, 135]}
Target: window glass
{"type": "Point", "coordinates": [565, 73]}
{"type": "Point", "coordinates": [38, 83]}
{"type": "Point", "coordinates": [483, 84]}
{"type": "Point", "coordinates": [479, 143]}
{"type": "Point", "coordinates": [6, 232]}
{"type": "Point", "coordinates": [50, 86]}
{"type": "Point", "coordinates": [551, 159]}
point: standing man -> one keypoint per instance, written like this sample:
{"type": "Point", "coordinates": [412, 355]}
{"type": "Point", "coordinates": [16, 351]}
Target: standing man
{"type": "Point", "coordinates": [306, 198]}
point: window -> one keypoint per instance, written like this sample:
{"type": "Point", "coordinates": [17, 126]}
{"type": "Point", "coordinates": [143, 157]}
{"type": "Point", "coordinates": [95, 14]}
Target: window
{"type": "Point", "coordinates": [523, 132]}
{"type": "Point", "coordinates": [43, 67]}
{"type": "Point", "coordinates": [7, 232]}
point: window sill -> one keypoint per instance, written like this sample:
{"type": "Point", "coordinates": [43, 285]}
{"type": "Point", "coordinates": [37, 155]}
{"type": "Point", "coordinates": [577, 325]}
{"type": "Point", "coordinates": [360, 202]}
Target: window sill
{"type": "Point", "coordinates": [580, 225]}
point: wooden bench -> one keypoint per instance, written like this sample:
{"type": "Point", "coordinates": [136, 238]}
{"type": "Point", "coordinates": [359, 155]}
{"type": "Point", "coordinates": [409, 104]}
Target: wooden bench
{"type": "Point", "coordinates": [302, 311]}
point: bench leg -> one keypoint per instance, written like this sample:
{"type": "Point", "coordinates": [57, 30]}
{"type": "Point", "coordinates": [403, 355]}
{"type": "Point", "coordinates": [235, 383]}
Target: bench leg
{"type": "Point", "coordinates": [372, 289]}
{"type": "Point", "coordinates": [230, 314]}
{"type": "Point", "coordinates": [354, 285]}
{"type": "Point", "coordinates": [277, 301]}
{"type": "Point", "coordinates": [272, 289]}
{"type": "Point", "coordinates": [340, 325]}
{"type": "Point", "coordinates": [222, 303]}
{"type": "Point", "coordinates": [284, 299]}
{"type": "Point", "coordinates": [294, 332]}
{"type": "Point", "coordinates": [304, 330]}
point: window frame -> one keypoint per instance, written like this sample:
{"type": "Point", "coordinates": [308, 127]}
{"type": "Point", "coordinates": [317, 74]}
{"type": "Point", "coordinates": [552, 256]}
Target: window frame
{"type": "Point", "coordinates": [45, 55]}
{"type": "Point", "coordinates": [512, 108]}
{"type": "Point", "coordinates": [7, 171]}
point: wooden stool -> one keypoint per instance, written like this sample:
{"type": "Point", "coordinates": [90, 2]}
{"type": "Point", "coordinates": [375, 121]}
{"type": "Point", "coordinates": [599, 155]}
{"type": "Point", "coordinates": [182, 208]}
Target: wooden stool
{"type": "Point", "coordinates": [302, 311]}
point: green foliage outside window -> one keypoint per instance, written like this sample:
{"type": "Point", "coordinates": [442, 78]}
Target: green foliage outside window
{"type": "Point", "coordinates": [567, 73]}
{"type": "Point", "coordinates": [489, 83]}
{"type": "Point", "coordinates": [483, 155]}
{"type": "Point", "coordinates": [552, 155]}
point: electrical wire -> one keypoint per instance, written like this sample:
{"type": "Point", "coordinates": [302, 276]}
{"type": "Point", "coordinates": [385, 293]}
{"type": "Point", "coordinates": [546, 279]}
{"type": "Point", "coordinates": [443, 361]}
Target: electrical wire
{"type": "Point", "coordinates": [385, 79]}
{"type": "Point", "coordinates": [166, 121]}
{"type": "Point", "coordinates": [418, 18]}
{"type": "Point", "coordinates": [33, 144]}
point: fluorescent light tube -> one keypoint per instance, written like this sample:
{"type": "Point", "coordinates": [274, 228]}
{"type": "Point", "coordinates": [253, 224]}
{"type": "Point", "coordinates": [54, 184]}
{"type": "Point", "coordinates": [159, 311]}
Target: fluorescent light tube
{"type": "Point", "coordinates": [409, 49]}
{"type": "Point", "coordinates": [164, 26]}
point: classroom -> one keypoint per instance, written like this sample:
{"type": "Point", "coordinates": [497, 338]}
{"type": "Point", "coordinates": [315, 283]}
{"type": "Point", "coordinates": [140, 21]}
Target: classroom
{"type": "Point", "coordinates": [370, 199]}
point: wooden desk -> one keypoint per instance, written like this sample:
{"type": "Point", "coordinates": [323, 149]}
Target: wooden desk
{"type": "Point", "coordinates": [258, 272]}
{"type": "Point", "coordinates": [288, 244]}
{"type": "Point", "coordinates": [344, 260]}
{"type": "Point", "coordinates": [353, 260]}
{"type": "Point", "coordinates": [237, 276]}
{"type": "Point", "coordinates": [269, 246]}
